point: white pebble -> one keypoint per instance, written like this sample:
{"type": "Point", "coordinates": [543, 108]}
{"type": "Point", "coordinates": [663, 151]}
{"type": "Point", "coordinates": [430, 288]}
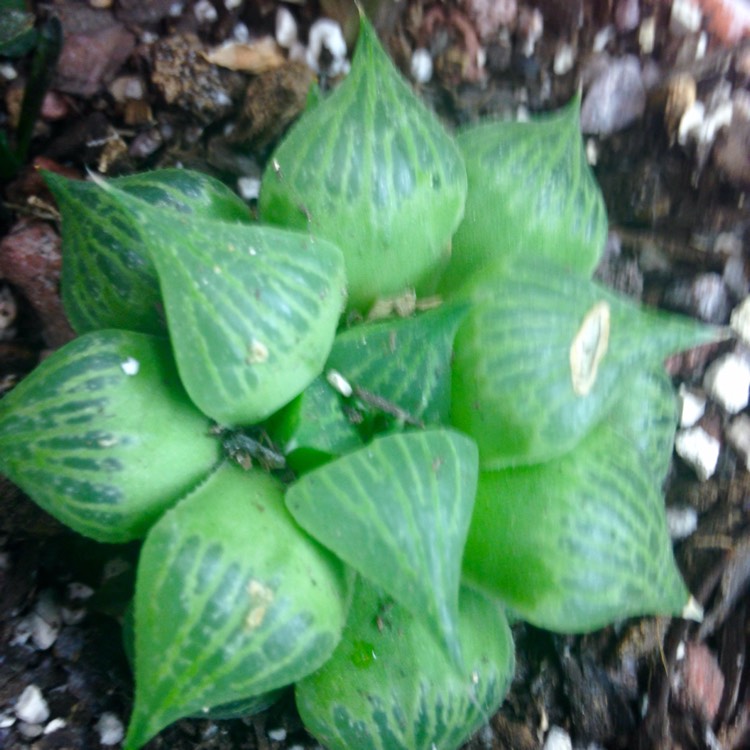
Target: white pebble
{"type": "Point", "coordinates": [205, 12]}
{"type": "Point", "coordinates": [110, 728]}
{"type": "Point", "coordinates": [55, 725]}
{"type": "Point", "coordinates": [647, 35]}
{"type": "Point", "coordinates": [421, 65]}
{"type": "Point", "coordinates": [277, 735]}
{"type": "Point", "coordinates": [740, 320]}
{"type": "Point", "coordinates": [686, 17]}
{"type": "Point", "coordinates": [727, 381]}
{"type": "Point", "coordinates": [30, 731]}
{"type": "Point", "coordinates": [6, 719]}
{"type": "Point", "coordinates": [699, 450]}
{"type": "Point", "coordinates": [681, 522]}
{"type": "Point", "coordinates": [692, 406]}
{"type": "Point", "coordinates": [248, 188]}
{"type": "Point", "coordinates": [31, 706]}
{"type": "Point", "coordinates": [558, 739]}
{"type": "Point", "coordinates": [130, 366]}
{"type": "Point", "coordinates": [738, 435]}
{"type": "Point", "coordinates": [327, 33]}
{"type": "Point", "coordinates": [339, 383]}
{"type": "Point", "coordinates": [286, 28]}
{"type": "Point", "coordinates": [8, 72]}
{"type": "Point", "coordinates": [565, 58]}
{"type": "Point", "coordinates": [232, 4]}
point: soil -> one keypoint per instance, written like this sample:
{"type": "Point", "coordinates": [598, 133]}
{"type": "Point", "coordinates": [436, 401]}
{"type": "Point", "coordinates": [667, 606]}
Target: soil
{"type": "Point", "coordinates": [133, 90]}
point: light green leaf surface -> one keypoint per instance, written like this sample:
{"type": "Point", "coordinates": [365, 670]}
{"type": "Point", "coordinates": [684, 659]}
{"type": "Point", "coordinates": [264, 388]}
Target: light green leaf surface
{"type": "Point", "coordinates": [389, 685]}
{"type": "Point", "coordinates": [108, 279]}
{"type": "Point", "coordinates": [103, 436]}
{"type": "Point", "coordinates": [398, 511]}
{"type": "Point", "coordinates": [576, 543]}
{"type": "Point", "coordinates": [252, 310]}
{"type": "Point", "coordinates": [531, 194]}
{"type": "Point", "coordinates": [232, 600]}
{"type": "Point", "coordinates": [543, 355]}
{"type": "Point", "coordinates": [371, 169]}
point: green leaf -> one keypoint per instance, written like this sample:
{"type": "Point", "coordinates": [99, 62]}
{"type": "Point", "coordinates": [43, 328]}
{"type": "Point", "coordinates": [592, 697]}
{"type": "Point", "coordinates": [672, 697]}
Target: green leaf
{"type": "Point", "coordinates": [578, 542]}
{"type": "Point", "coordinates": [646, 412]}
{"type": "Point", "coordinates": [252, 310]}
{"type": "Point", "coordinates": [102, 435]}
{"type": "Point", "coordinates": [17, 34]}
{"type": "Point", "coordinates": [543, 355]}
{"type": "Point", "coordinates": [531, 195]}
{"type": "Point", "coordinates": [389, 685]}
{"type": "Point", "coordinates": [232, 600]}
{"type": "Point", "coordinates": [108, 279]}
{"type": "Point", "coordinates": [398, 511]}
{"type": "Point", "coordinates": [314, 427]}
{"type": "Point", "coordinates": [391, 360]}
{"type": "Point", "coordinates": [371, 169]}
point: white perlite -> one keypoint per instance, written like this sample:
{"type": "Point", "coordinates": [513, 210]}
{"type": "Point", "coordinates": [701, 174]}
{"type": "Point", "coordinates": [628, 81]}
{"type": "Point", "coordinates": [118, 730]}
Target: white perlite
{"type": "Point", "coordinates": [327, 33]}
{"type": "Point", "coordinates": [110, 728]}
{"type": "Point", "coordinates": [740, 320]}
{"type": "Point", "coordinates": [699, 450]}
{"type": "Point", "coordinates": [558, 739]}
{"type": "Point", "coordinates": [692, 406]}
{"type": "Point", "coordinates": [286, 28]}
{"type": "Point", "coordinates": [738, 435]}
{"type": "Point", "coordinates": [681, 522]}
{"type": "Point", "coordinates": [421, 65]}
{"type": "Point", "coordinates": [31, 706]}
{"type": "Point", "coordinates": [727, 381]}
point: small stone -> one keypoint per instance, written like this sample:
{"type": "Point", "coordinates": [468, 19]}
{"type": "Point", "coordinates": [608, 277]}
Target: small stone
{"type": "Point", "coordinates": [699, 450]}
{"type": "Point", "coordinates": [627, 15]}
{"type": "Point", "coordinates": [647, 35]}
{"type": "Point", "coordinates": [248, 188]}
{"type": "Point", "coordinates": [615, 99]}
{"type": "Point", "coordinates": [727, 381]}
{"type": "Point", "coordinates": [277, 735]}
{"type": "Point", "coordinates": [7, 719]}
{"type": "Point", "coordinates": [110, 729]}
{"type": "Point", "coordinates": [685, 18]}
{"type": "Point", "coordinates": [738, 435]}
{"type": "Point", "coordinates": [558, 739]}
{"type": "Point", "coordinates": [700, 681]}
{"type": "Point", "coordinates": [564, 59]}
{"type": "Point", "coordinates": [31, 706]}
{"type": "Point", "coordinates": [681, 522]}
{"type": "Point", "coordinates": [692, 406]}
{"type": "Point", "coordinates": [286, 28]}
{"type": "Point", "coordinates": [30, 731]}
{"type": "Point", "coordinates": [325, 33]}
{"type": "Point", "coordinates": [740, 320]}
{"type": "Point", "coordinates": [205, 12]}
{"type": "Point", "coordinates": [55, 725]}
{"type": "Point", "coordinates": [421, 65]}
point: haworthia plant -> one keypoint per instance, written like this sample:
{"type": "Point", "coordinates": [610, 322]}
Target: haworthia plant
{"type": "Point", "coordinates": [575, 543]}
{"type": "Point", "coordinates": [252, 310]}
{"type": "Point", "coordinates": [103, 436]}
{"type": "Point", "coordinates": [390, 686]}
{"type": "Point", "coordinates": [371, 169]}
{"type": "Point", "coordinates": [232, 600]}
{"type": "Point", "coordinates": [542, 355]}
{"type": "Point", "coordinates": [531, 194]}
{"type": "Point", "coordinates": [108, 279]}
{"type": "Point", "coordinates": [398, 511]}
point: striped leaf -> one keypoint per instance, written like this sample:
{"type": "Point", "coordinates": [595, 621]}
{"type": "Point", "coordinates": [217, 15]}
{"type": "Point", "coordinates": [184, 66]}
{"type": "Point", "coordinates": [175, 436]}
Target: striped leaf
{"type": "Point", "coordinates": [543, 355]}
{"type": "Point", "coordinates": [576, 543]}
{"type": "Point", "coordinates": [646, 412]}
{"type": "Point", "coordinates": [371, 169]}
{"type": "Point", "coordinates": [103, 436]}
{"type": "Point", "coordinates": [252, 310]}
{"type": "Point", "coordinates": [108, 279]}
{"type": "Point", "coordinates": [389, 686]}
{"type": "Point", "coordinates": [397, 511]}
{"type": "Point", "coordinates": [531, 195]}
{"type": "Point", "coordinates": [232, 600]}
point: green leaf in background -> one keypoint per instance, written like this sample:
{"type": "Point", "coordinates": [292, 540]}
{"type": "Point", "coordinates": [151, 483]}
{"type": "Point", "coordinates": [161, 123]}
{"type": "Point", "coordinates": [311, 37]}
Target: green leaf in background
{"type": "Point", "coordinates": [371, 169]}
{"type": "Point", "coordinates": [103, 436]}
{"type": "Point", "coordinates": [398, 511]}
{"type": "Point", "coordinates": [17, 34]}
{"type": "Point", "coordinates": [576, 543]}
{"type": "Point", "coordinates": [233, 599]}
{"type": "Point", "coordinates": [252, 310]}
{"type": "Point", "coordinates": [405, 361]}
{"type": "Point", "coordinates": [108, 279]}
{"type": "Point", "coordinates": [542, 356]}
{"type": "Point", "coordinates": [646, 412]}
{"type": "Point", "coordinates": [314, 427]}
{"type": "Point", "coordinates": [389, 685]}
{"type": "Point", "coordinates": [531, 195]}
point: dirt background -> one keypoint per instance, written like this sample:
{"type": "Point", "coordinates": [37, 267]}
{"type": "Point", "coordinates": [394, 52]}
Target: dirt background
{"type": "Point", "coordinates": [667, 112]}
